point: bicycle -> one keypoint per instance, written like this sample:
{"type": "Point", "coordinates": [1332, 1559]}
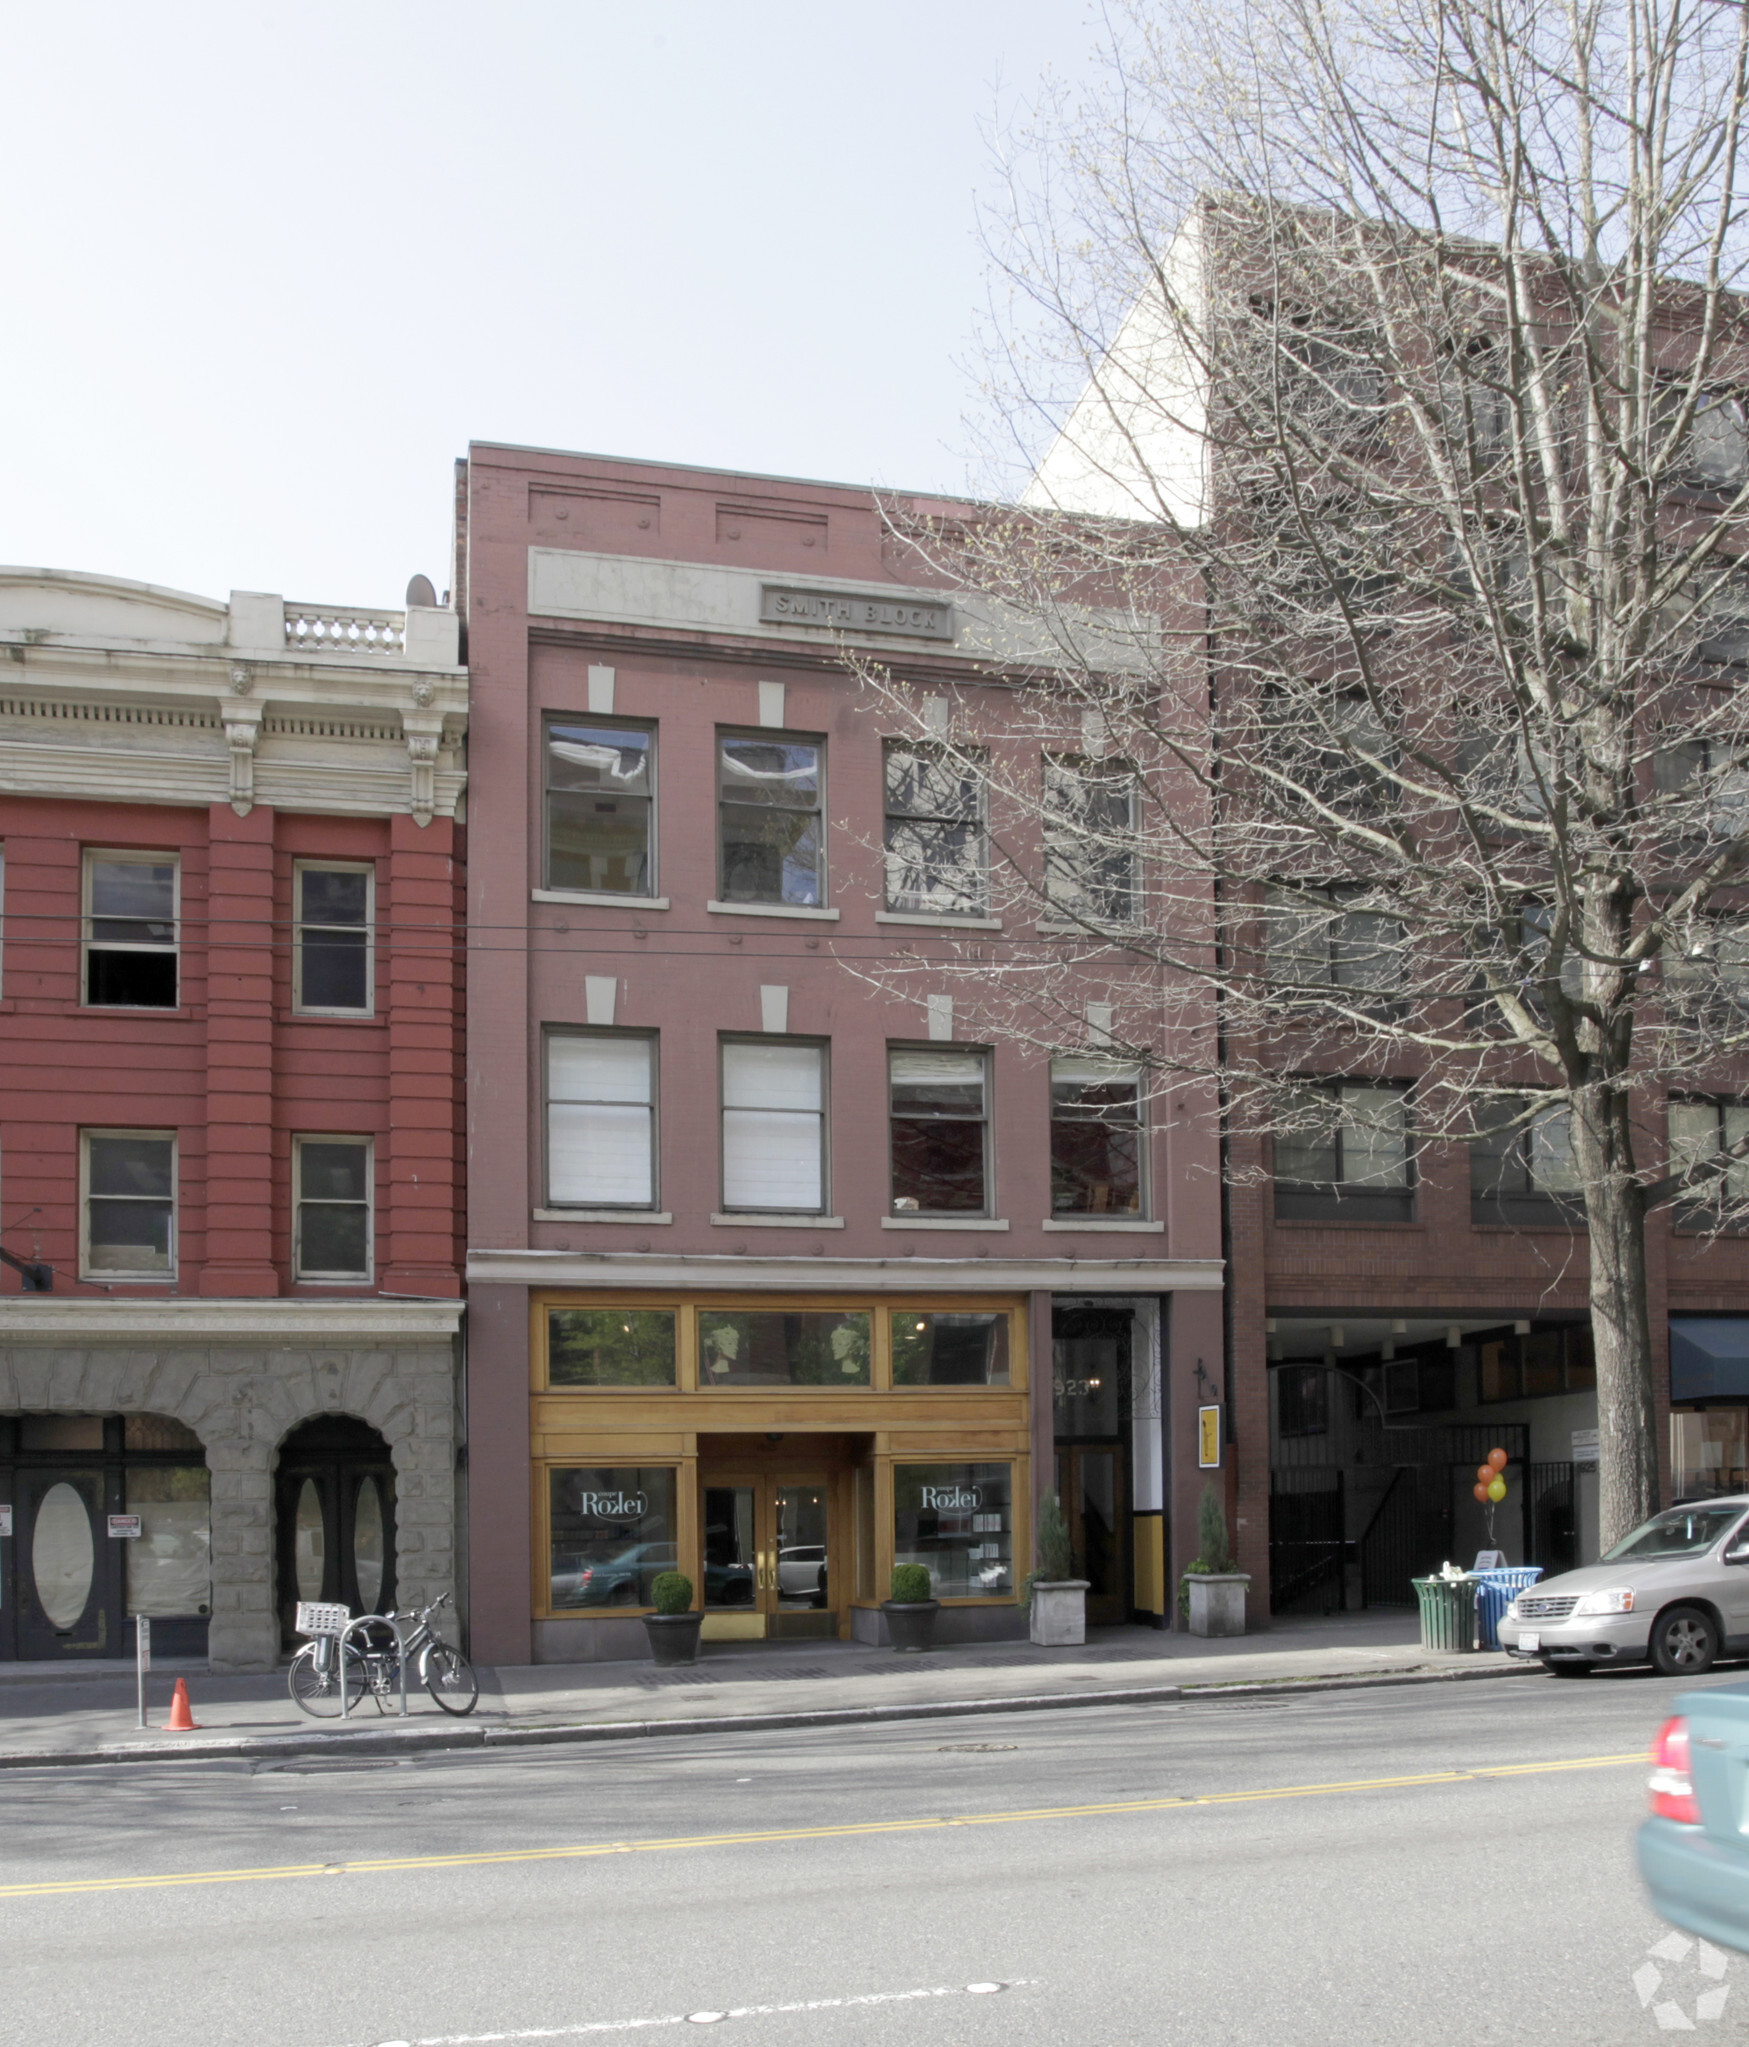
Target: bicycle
{"type": "Point", "coordinates": [320, 1680]}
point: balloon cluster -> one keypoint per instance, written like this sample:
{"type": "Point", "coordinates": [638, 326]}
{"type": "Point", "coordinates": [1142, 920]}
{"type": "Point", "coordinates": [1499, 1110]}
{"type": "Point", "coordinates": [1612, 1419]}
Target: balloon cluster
{"type": "Point", "coordinates": [1491, 1479]}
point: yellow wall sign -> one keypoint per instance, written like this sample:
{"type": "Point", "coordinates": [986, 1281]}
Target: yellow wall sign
{"type": "Point", "coordinates": [1208, 1438]}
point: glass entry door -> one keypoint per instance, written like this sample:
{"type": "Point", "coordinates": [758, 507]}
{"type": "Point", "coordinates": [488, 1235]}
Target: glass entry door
{"type": "Point", "coordinates": [766, 1570]}
{"type": "Point", "coordinates": [1090, 1485]}
{"type": "Point", "coordinates": [67, 1566]}
{"type": "Point", "coordinates": [1091, 1398]}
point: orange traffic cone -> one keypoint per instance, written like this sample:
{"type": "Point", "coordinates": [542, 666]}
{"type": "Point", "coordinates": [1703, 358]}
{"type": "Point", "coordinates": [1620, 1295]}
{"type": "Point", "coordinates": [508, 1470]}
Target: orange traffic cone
{"type": "Point", "coordinates": [181, 1720]}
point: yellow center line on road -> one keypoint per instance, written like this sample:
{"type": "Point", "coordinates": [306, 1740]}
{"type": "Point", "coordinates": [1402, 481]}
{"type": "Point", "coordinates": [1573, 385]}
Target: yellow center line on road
{"type": "Point", "coordinates": [385, 1865]}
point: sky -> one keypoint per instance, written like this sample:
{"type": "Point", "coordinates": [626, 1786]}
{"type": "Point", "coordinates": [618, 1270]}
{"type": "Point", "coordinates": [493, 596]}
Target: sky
{"type": "Point", "coordinates": [268, 270]}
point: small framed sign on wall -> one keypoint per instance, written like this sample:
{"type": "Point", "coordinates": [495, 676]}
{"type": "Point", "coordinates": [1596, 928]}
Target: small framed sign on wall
{"type": "Point", "coordinates": [1208, 1438]}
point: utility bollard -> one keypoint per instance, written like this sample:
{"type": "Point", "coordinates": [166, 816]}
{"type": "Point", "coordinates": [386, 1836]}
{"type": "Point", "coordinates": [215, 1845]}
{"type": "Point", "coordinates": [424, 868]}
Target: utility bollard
{"type": "Point", "coordinates": [142, 1659]}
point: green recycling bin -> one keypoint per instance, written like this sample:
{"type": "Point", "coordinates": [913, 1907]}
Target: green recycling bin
{"type": "Point", "coordinates": [1448, 1612]}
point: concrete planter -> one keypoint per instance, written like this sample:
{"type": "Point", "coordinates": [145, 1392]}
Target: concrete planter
{"type": "Point", "coordinates": [1059, 1613]}
{"type": "Point", "coordinates": [911, 1622]}
{"type": "Point", "coordinates": [1217, 1602]}
{"type": "Point", "coordinates": [673, 1636]}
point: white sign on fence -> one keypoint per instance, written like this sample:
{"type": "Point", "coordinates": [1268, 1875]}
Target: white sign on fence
{"type": "Point", "coordinates": [5, 1520]}
{"type": "Point", "coordinates": [125, 1526]}
{"type": "Point", "coordinates": [1584, 1446]}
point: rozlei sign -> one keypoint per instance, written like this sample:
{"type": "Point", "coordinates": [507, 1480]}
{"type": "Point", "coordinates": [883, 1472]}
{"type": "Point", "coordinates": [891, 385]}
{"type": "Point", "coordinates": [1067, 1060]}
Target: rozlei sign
{"type": "Point", "coordinates": [614, 1506]}
{"type": "Point", "coordinates": [953, 1499]}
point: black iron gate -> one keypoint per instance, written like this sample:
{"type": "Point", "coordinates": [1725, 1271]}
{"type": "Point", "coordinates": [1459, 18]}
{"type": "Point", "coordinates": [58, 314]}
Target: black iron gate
{"type": "Point", "coordinates": [1307, 1546]}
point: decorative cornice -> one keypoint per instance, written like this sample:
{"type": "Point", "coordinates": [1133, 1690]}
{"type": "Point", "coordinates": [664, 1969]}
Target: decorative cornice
{"type": "Point", "coordinates": [724, 1272]}
{"type": "Point", "coordinates": [185, 1318]}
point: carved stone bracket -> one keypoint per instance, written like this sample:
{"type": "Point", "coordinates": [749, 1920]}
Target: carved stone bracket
{"type": "Point", "coordinates": [424, 730]}
{"type": "Point", "coordinates": [242, 732]}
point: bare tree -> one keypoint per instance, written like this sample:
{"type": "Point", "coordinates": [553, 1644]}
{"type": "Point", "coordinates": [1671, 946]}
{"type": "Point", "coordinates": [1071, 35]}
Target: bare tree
{"type": "Point", "coordinates": [1375, 610]}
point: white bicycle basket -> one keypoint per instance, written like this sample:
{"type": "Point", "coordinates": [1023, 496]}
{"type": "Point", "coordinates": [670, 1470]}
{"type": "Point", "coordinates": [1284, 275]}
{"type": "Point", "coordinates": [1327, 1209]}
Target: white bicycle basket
{"type": "Point", "coordinates": [321, 1617]}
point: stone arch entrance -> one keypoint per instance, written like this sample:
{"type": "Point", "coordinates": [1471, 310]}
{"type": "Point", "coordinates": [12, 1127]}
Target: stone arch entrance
{"type": "Point", "coordinates": [110, 1518]}
{"type": "Point", "coordinates": [334, 1499]}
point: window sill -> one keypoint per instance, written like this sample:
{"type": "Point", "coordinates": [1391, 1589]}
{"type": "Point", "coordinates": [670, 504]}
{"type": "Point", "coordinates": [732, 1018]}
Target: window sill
{"type": "Point", "coordinates": [599, 1215]}
{"type": "Point", "coordinates": [376, 1021]}
{"type": "Point", "coordinates": [1112, 1223]}
{"type": "Point", "coordinates": [779, 1222]}
{"type": "Point", "coordinates": [773, 910]}
{"type": "Point", "coordinates": [940, 1222]}
{"type": "Point", "coordinates": [945, 923]}
{"type": "Point", "coordinates": [599, 899]}
{"type": "Point", "coordinates": [1048, 927]}
{"type": "Point", "coordinates": [1341, 1222]}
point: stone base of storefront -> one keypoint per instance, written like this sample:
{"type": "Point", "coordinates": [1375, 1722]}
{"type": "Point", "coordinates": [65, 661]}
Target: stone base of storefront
{"type": "Point", "coordinates": [240, 1375]}
{"type": "Point", "coordinates": [955, 1626]}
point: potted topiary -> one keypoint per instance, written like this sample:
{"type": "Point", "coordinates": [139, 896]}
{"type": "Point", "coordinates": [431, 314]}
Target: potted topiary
{"type": "Point", "coordinates": [1058, 1601]}
{"type": "Point", "coordinates": [911, 1610]}
{"type": "Point", "coordinates": [1215, 1592]}
{"type": "Point", "coordinates": [673, 1627]}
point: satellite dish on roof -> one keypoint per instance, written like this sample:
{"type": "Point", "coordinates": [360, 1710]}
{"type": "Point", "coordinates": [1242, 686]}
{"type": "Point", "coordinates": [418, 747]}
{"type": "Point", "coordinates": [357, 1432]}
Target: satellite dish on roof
{"type": "Point", "coordinates": [420, 592]}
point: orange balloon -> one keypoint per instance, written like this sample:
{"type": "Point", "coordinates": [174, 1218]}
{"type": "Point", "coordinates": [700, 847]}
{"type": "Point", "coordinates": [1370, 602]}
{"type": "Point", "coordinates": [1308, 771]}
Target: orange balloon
{"type": "Point", "coordinates": [1499, 1459]}
{"type": "Point", "coordinates": [1484, 1472]}
{"type": "Point", "coordinates": [1481, 1493]}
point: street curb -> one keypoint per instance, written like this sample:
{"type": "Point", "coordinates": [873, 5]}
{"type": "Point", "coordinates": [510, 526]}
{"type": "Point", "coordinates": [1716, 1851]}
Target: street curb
{"type": "Point", "coordinates": [387, 1741]}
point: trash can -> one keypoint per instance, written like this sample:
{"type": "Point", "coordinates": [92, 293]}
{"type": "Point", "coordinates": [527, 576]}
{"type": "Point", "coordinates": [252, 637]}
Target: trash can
{"type": "Point", "coordinates": [1495, 1595]}
{"type": "Point", "coordinates": [1448, 1612]}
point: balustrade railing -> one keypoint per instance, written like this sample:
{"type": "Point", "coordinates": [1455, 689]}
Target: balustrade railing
{"type": "Point", "coordinates": [343, 629]}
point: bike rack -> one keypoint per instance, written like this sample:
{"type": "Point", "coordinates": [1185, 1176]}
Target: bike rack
{"type": "Point", "coordinates": [366, 1620]}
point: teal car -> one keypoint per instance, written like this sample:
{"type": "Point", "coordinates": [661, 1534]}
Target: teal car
{"type": "Point", "coordinates": [1694, 1849]}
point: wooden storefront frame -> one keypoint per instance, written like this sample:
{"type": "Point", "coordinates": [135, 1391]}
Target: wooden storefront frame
{"type": "Point", "coordinates": [613, 1427]}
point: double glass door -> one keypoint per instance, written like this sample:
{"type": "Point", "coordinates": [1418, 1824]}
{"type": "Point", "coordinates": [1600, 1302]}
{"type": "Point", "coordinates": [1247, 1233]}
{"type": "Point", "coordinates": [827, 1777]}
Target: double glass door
{"type": "Point", "coordinates": [766, 1566]}
{"type": "Point", "coordinates": [1091, 1395]}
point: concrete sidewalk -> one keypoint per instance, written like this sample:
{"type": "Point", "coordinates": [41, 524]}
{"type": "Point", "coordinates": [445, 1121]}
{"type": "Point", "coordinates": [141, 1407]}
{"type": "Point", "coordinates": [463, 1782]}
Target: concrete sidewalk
{"type": "Point", "coordinates": [50, 1714]}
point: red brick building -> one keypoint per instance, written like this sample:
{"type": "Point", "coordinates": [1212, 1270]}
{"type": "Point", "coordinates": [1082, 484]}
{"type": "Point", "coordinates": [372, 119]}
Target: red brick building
{"type": "Point", "coordinates": [230, 1045]}
{"type": "Point", "coordinates": [777, 1271]}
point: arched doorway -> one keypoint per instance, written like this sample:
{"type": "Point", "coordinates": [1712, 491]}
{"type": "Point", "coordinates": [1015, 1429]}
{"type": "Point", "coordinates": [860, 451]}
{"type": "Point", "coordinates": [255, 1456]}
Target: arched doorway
{"type": "Point", "coordinates": [334, 1518]}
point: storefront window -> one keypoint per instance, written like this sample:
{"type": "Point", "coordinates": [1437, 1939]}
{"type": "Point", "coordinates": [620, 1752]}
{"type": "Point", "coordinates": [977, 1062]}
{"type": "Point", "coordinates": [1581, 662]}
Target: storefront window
{"type": "Point", "coordinates": [958, 1520]}
{"type": "Point", "coordinates": [774, 1348]}
{"type": "Point", "coordinates": [612, 1534]}
{"type": "Point", "coordinates": [1709, 1451]}
{"type": "Point", "coordinates": [610, 1346]}
{"type": "Point", "coordinates": [950, 1350]}
{"type": "Point", "coordinates": [170, 1570]}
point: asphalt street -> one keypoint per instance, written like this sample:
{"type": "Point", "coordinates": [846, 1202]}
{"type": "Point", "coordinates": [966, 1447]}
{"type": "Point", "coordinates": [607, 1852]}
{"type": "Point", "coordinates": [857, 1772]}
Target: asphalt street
{"type": "Point", "coordinates": [1420, 1865]}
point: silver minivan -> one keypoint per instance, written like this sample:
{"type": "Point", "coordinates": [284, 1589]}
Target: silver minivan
{"type": "Point", "coordinates": [1674, 1594]}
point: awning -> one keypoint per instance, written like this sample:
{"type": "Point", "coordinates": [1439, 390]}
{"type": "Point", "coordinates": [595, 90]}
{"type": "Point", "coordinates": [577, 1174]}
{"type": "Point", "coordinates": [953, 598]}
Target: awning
{"type": "Point", "coordinates": [1709, 1357]}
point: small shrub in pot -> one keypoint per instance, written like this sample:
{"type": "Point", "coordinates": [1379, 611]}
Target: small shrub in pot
{"type": "Point", "coordinates": [673, 1628]}
{"type": "Point", "coordinates": [911, 1610]}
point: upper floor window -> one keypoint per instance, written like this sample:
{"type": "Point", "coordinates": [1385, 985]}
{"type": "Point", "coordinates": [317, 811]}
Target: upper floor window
{"type": "Point", "coordinates": [129, 1220]}
{"type": "Point", "coordinates": [332, 1227]}
{"type": "Point", "coordinates": [130, 930]}
{"type": "Point", "coordinates": [1302, 1400]}
{"type": "Point", "coordinates": [1317, 939]}
{"type": "Point", "coordinates": [1700, 1131]}
{"type": "Point", "coordinates": [1709, 970]}
{"type": "Point", "coordinates": [934, 832]}
{"type": "Point", "coordinates": [1096, 1138]}
{"type": "Point", "coordinates": [940, 1132]}
{"type": "Point", "coordinates": [331, 955]}
{"type": "Point", "coordinates": [774, 1126]}
{"type": "Point", "coordinates": [1090, 839]}
{"type": "Point", "coordinates": [770, 798]}
{"type": "Point", "coordinates": [1714, 451]}
{"type": "Point", "coordinates": [1522, 1168]}
{"type": "Point", "coordinates": [600, 800]}
{"type": "Point", "coordinates": [1723, 621]}
{"type": "Point", "coordinates": [601, 1119]}
{"type": "Point", "coordinates": [1347, 1156]}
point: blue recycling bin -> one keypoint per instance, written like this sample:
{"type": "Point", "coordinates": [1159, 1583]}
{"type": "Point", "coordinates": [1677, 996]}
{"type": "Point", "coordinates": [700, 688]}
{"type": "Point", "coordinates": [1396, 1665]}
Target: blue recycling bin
{"type": "Point", "coordinates": [1495, 1594]}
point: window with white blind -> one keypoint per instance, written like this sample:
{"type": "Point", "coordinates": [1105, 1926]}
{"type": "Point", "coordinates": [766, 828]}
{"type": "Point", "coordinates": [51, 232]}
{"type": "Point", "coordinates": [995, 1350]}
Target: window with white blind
{"type": "Point", "coordinates": [774, 1126]}
{"type": "Point", "coordinates": [601, 1119]}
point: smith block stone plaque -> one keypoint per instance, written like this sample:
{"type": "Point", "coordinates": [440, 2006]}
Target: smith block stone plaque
{"type": "Point", "coordinates": [846, 612]}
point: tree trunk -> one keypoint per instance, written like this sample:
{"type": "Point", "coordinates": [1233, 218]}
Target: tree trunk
{"type": "Point", "coordinates": [1621, 1328]}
